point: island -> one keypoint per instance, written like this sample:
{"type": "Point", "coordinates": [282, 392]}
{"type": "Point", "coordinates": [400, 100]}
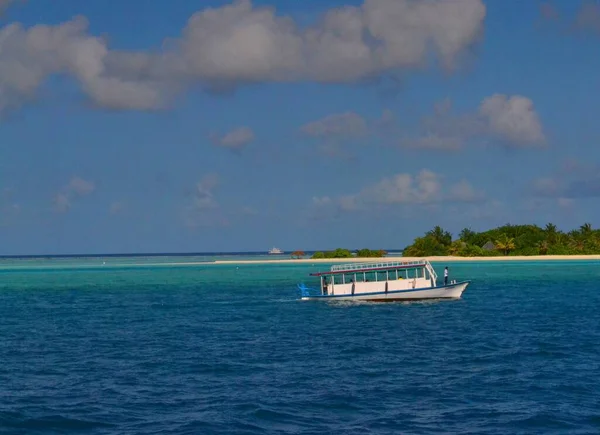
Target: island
{"type": "Point", "coordinates": [507, 240]}
{"type": "Point", "coordinates": [346, 253]}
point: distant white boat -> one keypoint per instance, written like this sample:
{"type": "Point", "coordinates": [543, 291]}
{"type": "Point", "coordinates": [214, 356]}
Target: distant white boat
{"type": "Point", "coordinates": [382, 282]}
{"type": "Point", "coordinates": [275, 251]}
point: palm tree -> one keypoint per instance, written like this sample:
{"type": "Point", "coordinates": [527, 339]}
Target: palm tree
{"type": "Point", "coordinates": [466, 234]}
{"type": "Point", "coordinates": [586, 228]}
{"type": "Point", "coordinates": [505, 244]}
{"type": "Point", "coordinates": [551, 233]}
{"type": "Point", "coordinates": [456, 247]}
{"type": "Point", "coordinates": [543, 247]}
{"type": "Point", "coordinates": [559, 240]}
{"type": "Point", "coordinates": [577, 243]}
{"type": "Point", "coordinates": [440, 236]}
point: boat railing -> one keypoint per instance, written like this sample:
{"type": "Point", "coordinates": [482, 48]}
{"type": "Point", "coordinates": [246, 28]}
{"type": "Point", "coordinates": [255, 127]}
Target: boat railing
{"type": "Point", "coordinates": [432, 272]}
{"type": "Point", "coordinates": [379, 265]}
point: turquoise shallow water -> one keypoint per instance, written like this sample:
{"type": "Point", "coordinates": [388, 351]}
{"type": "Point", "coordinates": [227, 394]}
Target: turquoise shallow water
{"type": "Point", "coordinates": [228, 349]}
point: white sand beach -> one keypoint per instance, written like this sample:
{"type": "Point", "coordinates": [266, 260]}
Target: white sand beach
{"type": "Point", "coordinates": [439, 259]}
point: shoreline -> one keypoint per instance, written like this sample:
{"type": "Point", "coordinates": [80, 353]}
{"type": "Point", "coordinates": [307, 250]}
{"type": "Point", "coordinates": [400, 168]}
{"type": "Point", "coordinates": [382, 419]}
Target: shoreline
{"type": "Point", "coordinates": [432, 259]}
{"type": "Point", "coordinates": [305, 261]}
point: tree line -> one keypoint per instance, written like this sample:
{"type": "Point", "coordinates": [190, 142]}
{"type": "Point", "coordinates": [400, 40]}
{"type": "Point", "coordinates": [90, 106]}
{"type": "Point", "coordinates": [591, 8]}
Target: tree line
{"type": "Point", "coordinates": [343, 253]}
{"type": "Point", "coordinates": [507, 240]}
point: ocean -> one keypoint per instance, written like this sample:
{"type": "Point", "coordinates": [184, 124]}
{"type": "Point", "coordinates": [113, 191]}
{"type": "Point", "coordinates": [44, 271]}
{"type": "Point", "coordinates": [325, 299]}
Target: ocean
{"type": "Point", "coordinates": [144, 345]}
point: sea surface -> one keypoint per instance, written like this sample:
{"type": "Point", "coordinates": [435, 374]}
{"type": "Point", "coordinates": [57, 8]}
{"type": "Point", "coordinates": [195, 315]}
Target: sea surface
{"type": "Point", "coordinates": [143, 345]}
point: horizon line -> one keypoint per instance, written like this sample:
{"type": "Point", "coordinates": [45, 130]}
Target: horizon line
{"type": "Point", "coordinates": [174, 254]}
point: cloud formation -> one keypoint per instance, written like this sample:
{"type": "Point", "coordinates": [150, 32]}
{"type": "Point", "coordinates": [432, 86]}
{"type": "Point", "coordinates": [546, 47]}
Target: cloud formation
{"type": "Point", "coordinates": [511, 120]}
{"type": "Point", "coordinates": [586, 19]}
{"type": "Point", "coordinates": [424, 188]}
{"type": "Point", "coordinates": [336, 126]}
{"type": "Point", "coordinates": [203, 197]}
{"type": "Point", "coordinates": [4, 4]}
{"type": "Point", "coordinates": [575, 180]}
{"type": "Point", "coordinates": [77, 188]}
{"type": "Point", "coordinates": [80, 187]}
{"type": "Point", "coordinates": [235, 139]}
{"type": "Point", "coordinates": [29, 56]}
{"type": "Point", "coordinates": [204, 210]}
{"type": "Point", "coordinates": [223, 48]}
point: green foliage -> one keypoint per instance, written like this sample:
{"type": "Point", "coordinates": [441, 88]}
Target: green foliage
{"type": "Point", "coordinates": [507, 240]}
{"type": "Point", "coordinates": [371, 253]}
{"type": "Point", "coordinates": [345, 253]}
{"type": "Point", "coordinates": [505, 244]}
{"type": "Point", "coordinates": [425, 246]}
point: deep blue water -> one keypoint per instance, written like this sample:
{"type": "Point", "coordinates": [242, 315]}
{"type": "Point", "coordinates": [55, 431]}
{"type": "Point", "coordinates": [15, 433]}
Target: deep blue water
{"type": "Point", "coordinates": [215, 349]}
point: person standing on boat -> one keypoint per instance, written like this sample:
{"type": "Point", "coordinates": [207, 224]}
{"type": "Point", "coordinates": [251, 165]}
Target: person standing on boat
{"type": "Point", "coordinates": [446, 276]}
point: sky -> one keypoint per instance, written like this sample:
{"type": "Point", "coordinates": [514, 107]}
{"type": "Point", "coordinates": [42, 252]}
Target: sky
{"type": "Point", "coordinates": [220, 126]}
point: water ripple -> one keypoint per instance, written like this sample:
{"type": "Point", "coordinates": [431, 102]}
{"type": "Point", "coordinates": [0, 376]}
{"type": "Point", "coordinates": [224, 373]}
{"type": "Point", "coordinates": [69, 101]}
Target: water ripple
{"type": "Point", "coordinates": [194, 351]}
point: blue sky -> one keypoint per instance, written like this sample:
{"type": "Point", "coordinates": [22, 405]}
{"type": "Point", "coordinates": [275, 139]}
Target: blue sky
{"type": "Point", "coordinates": [230, 126]}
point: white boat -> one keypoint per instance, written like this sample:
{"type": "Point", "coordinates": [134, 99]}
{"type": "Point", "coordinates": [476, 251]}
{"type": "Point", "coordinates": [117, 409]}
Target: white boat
{"type": "Point", "coordinates": [382, 282]}
{"type": "Point", "coordinates": [275, 251]}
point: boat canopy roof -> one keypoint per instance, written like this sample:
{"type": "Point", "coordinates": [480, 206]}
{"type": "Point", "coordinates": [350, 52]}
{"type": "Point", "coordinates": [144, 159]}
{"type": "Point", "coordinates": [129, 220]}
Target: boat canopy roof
{"type": "Point", "coordinates": [374, 267]}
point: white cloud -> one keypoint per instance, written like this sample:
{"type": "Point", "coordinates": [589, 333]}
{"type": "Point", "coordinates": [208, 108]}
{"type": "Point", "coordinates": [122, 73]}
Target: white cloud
{"type": "Point", "coordinates": [588, 17]}
{"type": "Point", "coordinates": [571, 181]}
{"type": "Point", "coordinates": [203, 210]}
{"type": "Point", "coordinates": [30, 56]}
{"type": "Point", "coordinates": [4, 4]}
{"type": "Point", "coordinates": [463, 191]}
{"type": "Point", "coordinates": [512, 118]}
{"type": "Point", "coordinates": [62, 203]}
{"type": "Point", "coordinates": [333, 131]}
{"type": "Point", "coordinates": [222, 48]}
{"type": "Point", "coordinates": [204, 194]}
{"type": "Point", "coordinates": [341, 125]}
{"type": "Point", "coordinates": [235, 139]}
{"type": "Point", "coordinates": [424, 188]}
{"type": "Point", "coordinates": [77, 188]}
{"type": "Point", "coordinates": [242, 43]}
{"type": "Point", "coordinates": [80, 187]}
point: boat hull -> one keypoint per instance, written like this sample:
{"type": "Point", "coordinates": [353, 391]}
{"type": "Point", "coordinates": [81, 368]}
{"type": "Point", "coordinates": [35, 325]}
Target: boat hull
{"type": "Point", "coordinates": [452, 291]}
